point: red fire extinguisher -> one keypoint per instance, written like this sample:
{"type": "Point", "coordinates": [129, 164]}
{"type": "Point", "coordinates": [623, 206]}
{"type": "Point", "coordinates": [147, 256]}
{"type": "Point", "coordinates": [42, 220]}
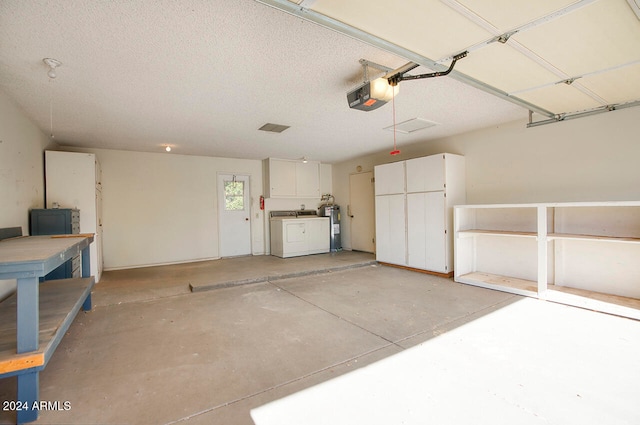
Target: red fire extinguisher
{"type": "Point", "coordinates": [261, 202]}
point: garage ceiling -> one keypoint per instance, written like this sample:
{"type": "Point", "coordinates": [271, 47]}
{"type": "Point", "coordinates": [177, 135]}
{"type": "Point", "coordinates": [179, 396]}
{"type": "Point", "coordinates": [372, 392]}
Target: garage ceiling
{"type": "Point", "coordinates": [558, 57]}
{"type": "Point", "coordinates": [204, 76]}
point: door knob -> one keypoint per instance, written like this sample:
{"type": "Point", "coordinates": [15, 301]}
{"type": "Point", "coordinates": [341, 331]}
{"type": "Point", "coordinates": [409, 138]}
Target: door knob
{"type": "Point", "coordinates": [246, 219]}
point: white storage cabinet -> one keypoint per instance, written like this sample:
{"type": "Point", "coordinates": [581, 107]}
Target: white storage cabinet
{"type": "Point", "coordinates": [582, 253]}
{"type": "Point", "coordinates": [74, 180]}
{"type": "Point", "coordinates": [391, 236]}
{"type": "Point", "coordinates": [414, 216]}
{"type": "Point", "coordinates": [284, 178]}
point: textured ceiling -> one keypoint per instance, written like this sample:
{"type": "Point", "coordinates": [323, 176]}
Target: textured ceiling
{"type": "Point", "coordinates": [562, 56]}
{"type": "Point", "coordinates": [203, 76]}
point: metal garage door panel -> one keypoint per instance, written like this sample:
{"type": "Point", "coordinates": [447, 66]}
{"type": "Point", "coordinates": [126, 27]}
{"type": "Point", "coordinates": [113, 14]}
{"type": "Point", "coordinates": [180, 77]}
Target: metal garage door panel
{"type": "Point", "coordinates": [571, 44]}
{"type": "Point", "coordinates": [509, 14]}
{"type": "Point", "coordinates": [616, 86]}
{"type": "Point", "coordinates": [503, 67]}
{"type": "Point", "coordinates": [429, 28]}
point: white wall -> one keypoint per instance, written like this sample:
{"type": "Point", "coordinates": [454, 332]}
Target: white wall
{"type": "Point", "coordinates": [594, 158]}
{"type": "Point", "coordinates": [21, 170]}
{"type": "Point", "coordinates": [161, 208]}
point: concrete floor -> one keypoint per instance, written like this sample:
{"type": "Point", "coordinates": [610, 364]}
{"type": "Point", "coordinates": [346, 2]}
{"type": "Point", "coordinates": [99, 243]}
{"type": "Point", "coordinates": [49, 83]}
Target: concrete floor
{"type": "Point", "coordinates": [154, 352]}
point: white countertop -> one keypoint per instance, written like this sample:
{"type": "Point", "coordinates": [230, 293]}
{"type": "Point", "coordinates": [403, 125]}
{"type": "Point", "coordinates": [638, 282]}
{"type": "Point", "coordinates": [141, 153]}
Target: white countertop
{"type": "Point", "coordinates": [307, 217]}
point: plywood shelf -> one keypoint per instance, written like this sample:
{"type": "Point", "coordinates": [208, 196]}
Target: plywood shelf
{"type": "Point", "coordinates": [503, 283]}
{"type": "Point", "coordinates": [473, 232]}
{"type": "Point", "coordinates": [613, 304]}
{"type": "Point", "coordinates": [550, 236]}
{"type": "Point", "coordinates": [60, 301]}
{"type": "Point", "coordinates": [596, 238]}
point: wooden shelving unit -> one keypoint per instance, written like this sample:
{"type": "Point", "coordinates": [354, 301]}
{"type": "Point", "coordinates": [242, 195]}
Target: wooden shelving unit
{"type": "Point", "coordinates": [585, 254]}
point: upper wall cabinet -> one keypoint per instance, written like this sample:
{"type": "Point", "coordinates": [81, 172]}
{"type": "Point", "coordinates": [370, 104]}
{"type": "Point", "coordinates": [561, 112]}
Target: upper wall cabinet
{"type": "Point", "coordinates": [307, 179]}
{"type": "Point", "coordinates": [280, 178]}
{"type": "Point", "coordinates": [390, 178]}
{"type": "Point", "coordinates": [426, 174]}
{"type": "Point", "coordinates": [285, 178]}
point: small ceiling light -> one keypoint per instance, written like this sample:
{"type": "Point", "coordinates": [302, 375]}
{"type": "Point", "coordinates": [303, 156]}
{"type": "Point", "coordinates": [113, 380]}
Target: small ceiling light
{"type": "Point", "coordinates": [304, 160]}
{"type": "Point", "coordinates": [168, 149]}
{"type": "Point", "coordinates": [382, 90]}
{"type": "Point", "coordinates": [52, 64]}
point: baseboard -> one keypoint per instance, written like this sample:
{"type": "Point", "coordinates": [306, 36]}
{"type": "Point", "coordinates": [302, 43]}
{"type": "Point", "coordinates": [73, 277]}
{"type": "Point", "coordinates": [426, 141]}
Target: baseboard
{"type": "Point", "coordinates": [140, 266]}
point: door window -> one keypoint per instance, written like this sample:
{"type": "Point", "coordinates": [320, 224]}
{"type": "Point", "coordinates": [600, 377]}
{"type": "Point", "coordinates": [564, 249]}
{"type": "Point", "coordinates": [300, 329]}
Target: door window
{"type": "Point", "coordinates": [233, 195]}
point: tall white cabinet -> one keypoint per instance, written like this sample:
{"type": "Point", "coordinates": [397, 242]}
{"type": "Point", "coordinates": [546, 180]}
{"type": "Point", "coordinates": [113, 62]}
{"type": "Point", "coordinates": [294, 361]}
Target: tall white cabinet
{"type": "Point", "coordinates": [414, 215]}
{"type": "Point", "coordinates": [74, 180]}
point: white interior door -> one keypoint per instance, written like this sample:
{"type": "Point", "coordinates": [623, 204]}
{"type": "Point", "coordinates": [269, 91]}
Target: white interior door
{"type": "Point", "coordinates": [361, 211]}
{"type": "Point", "coordinates": [234, 212]}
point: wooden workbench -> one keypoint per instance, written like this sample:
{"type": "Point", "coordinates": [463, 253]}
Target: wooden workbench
{"type": "Point", "coordinates": [34, 320]}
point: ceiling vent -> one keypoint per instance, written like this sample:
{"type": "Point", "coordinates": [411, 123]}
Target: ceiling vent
{"type": "Point", "coordinates": [274, 128]}
{"type": "Point", "coordinates": [412, 125]}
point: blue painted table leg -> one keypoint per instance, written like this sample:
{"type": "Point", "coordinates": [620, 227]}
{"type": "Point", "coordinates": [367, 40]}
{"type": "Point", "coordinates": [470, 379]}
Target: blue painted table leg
{"type": "Point", "coordinates": [87, 303]}
{"type": "Point", "coordinates": [28, 396]}
{"type": "Point", "coordinates": [86, 262]}
{"type": "Point", "coordinates": [86, 272]}
{"type": "Point", "coordinates": [28, 315]}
